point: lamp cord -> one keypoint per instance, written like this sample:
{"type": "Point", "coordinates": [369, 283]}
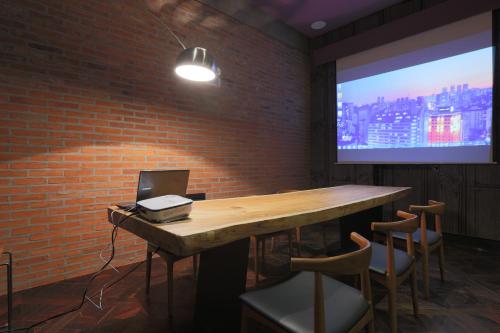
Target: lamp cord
{"type": "Point", "coordinates": [175, 36]}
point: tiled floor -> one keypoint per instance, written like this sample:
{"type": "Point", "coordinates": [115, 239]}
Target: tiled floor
{"type": "Point", "coordinates": [469, 300]}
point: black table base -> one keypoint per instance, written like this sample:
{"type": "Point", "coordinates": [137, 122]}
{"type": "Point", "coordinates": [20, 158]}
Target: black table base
{"type": "Point", "coordinates": [221, 280]}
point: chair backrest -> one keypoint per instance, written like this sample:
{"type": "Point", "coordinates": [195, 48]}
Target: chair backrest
{"type": "Point", "coordinates": [352, 263]}
{"type": "Point", "coordinates": [434, 207]}
{"type": "Point", "coordinates": [408, 225]}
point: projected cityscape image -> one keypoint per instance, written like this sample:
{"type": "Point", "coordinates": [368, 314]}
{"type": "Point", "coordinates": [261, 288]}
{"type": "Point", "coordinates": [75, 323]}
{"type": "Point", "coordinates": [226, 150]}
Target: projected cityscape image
{"type": "Point", "coordinates": [447, 102]}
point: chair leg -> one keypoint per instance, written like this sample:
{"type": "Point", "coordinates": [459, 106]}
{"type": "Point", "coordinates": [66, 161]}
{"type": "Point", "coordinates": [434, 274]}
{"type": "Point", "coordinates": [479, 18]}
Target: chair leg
{"type": "Point", "coordinates": [425, 273]}
{"type": "Point", "coordinates": [325, 243]}
{"type": "Point", "coordinates": [371, 323]}
{"type": "Point", "coordinates": [290, 243]}
{"type": "Point", "coordinates": [298, 237]}
{"type": "Point", "coordinates": [170, 286]}
{"type": "Point", "coordinates": [393, 310]}
{"type": "Point", "coordinates": [195, 267]}
{"type": "Point", "coordinates": [414, 291]}
{"type": "Point", "coordinates": [244, 320]}
{"type": "Point", "coordinates": [149, 260]}
{"type": "Point", "coordinates": [441, 261]}
{"type": "Point", "coordinates": [262, 250]}
{"type": "Point", "coordinates": [256, 259]}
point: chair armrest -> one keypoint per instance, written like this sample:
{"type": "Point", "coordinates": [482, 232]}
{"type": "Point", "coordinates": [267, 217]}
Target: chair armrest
{"type": "Point", "coordinates": [408, 225]}
{"type": "Point", "coordinates": [347, 264]}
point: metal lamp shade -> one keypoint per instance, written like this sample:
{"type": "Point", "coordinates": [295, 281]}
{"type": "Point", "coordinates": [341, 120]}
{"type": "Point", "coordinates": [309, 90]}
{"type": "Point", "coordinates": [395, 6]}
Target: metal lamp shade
{"type": "Point", "coordinates": [196, 64]}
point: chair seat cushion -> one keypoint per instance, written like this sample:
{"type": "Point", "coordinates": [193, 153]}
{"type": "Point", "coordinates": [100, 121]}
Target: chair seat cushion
{"type": "Point", "coordinates": [290, 304]}
{"type": "Point", "coordinates": [432, 236]}
{"type": "Point", "coordinates": [378, 262]}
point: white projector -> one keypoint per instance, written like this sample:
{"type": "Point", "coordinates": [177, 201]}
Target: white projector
{"type": "Point", "coordinates": [166, 208]}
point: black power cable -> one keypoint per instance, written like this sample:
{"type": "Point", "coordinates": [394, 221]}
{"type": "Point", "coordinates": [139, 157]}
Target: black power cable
{"type": "Point", "coordinates": [114, 233]}
{"type": "Point", "coordinates": [124, 275]}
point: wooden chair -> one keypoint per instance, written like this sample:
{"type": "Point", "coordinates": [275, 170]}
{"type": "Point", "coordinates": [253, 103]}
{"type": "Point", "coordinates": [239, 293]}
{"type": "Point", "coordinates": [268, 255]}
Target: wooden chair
{"type": "Point", "coordinates": [429, 241]}
{"type": "Point", "coordinates": [170, 259]}
{"type": "Point", "coordinates": [391, 267]}
{"type": "Point", "coordinates": [259, 244]}
{"type": "Point", "coordinates": [298, 233]}
{"type": "Point", "coordinates": [8, 265]}
{"type": "Point", "coordinates": [313, 302]}
{"type": "Point", "coordinates": [259, 249]}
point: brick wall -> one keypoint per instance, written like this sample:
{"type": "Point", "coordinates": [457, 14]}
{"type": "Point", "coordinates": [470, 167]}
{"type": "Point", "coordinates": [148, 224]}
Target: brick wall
{"type": "Point", "coordinates": [88, 98]}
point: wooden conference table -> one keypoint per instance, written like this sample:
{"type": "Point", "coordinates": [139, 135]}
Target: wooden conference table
{"type": "Point", "coordinates": [220, 230]}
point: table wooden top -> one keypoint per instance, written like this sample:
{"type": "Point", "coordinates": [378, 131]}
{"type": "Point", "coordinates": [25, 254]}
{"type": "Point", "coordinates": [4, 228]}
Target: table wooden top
{"type": "Point", "coordinates": [216, 222]}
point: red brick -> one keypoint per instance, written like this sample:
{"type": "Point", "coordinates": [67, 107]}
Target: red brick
{"type": "Point", "coordinates": [26, 100]}
{"type": "Point", "coordinates": [30, 181]}
{"type": "Point", "coordinates": [74, 138]}
{"type": "Point", "coordinates": [63, 105]}
{"type": "Point", "coordinates": [29, 133]}
{"type": "Point", "coordinates": [27, 197]}
{"type": "Point", "coordinates": [47, 220]}
{"type": "Point", "coordinates": [28, 230]}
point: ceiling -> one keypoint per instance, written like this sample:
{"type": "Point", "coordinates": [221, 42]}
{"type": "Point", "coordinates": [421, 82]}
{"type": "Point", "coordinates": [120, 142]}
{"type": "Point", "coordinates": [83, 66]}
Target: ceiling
{"type": "Point", "coordinates": [299, 14]}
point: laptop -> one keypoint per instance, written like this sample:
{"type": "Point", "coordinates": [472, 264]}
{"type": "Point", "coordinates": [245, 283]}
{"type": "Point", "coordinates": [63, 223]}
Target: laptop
{"type": "Point", "coordinates": [155, 183]}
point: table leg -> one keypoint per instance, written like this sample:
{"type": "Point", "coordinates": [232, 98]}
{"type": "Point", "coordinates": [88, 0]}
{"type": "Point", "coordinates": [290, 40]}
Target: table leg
{"type": "Point", "coordinates": [221, 280]}
{"type": "Point", "coordinates": [359, 222]}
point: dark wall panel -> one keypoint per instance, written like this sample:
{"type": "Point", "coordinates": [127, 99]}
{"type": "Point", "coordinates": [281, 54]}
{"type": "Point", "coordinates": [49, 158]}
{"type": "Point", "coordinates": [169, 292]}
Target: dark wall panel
{"type": "Point", "coordinates": [471, 193]}
{"type": "Point", "coordinates": [483, 201]}
{"type": "Point", "coordinates": [323, 127]}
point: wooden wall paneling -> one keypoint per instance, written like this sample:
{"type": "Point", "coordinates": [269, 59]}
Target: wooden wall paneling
{"type": "Point", "coordinates": [351, 174]}
{"type": "Point", "coordinates": [383, 176]}
{"type": "Point", "coordinates": [364, 174]}
{"type": "Point", "coordinates": [470, 228]}
{"type": "Point", "coordinates": [451, 188]}
{"type": "Point", "coordinates": [483, 202]}
{"type": "Point", "coordinates": [342, 174]}
{"type": "Point", "coordinates": [414, 176]}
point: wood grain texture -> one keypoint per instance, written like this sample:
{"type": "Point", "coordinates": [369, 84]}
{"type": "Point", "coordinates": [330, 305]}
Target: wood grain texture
{"type": "Point", "coordinates": [217, 222]}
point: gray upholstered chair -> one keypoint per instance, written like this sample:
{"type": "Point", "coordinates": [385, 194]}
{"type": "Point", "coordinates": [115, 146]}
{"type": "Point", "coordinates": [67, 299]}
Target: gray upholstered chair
{"type": "Point", "coordinates": [313, 302]}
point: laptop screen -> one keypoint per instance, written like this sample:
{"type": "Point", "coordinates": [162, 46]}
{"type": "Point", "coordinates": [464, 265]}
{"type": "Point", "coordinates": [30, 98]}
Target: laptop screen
{"type": "Point", "coordinates": [155, 183]}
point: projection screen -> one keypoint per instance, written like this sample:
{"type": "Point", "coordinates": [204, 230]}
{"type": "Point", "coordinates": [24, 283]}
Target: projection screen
{"type": "Point", "coordinates": [422, 99]}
